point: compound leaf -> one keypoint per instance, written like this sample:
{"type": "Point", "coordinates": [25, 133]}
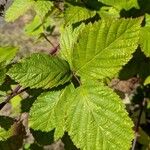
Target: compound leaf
{"type": "Point", "coordinates": [41, 71]}
{"type": "Point", "coordinates": [97, 119]}
{"type": "Point", "coordinates": [52, 105]}
{"type": "Point", "coordinates": [75, 14]}
{"type": "Point", "coordinates": [105, 46]}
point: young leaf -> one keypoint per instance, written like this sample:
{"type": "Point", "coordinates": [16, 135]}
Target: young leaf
{"type": "Point", "coordinates": [121, 4]}
{"type": "Point", "coordinates": [105, 46]}
{"type": "Point", "coordinates": [52, 106]}
{"type": "Point", "coordinates": [41, 71]}
{"type": "Point", "coordinates": [145, 36]}
{"type": "Point", "coordinates": [17, 9]}
{"type": "Point", "coordinates": [75, 14]}
{"type": "Point", "coordinates": [67, 41]}
{"type": "Point", "coordinates": [96, 119]}
{"type": "Point", "coordinates": [6, 55]}
{"type": "Point", "coordinates": [35, 27]}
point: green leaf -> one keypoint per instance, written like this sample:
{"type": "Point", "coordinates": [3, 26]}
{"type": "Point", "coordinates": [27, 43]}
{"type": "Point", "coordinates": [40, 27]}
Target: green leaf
{"type": "Point", "coordinates": [145, 40]}
{"type": "Point", "coordinates": [40, 21]}
{"type": "Point", "coordinates": [74, 14]}
{"type": "Point", "coordinates": [6, 128]}
{"type": "Point", "coordinates": [67, 41]}
{"type": "Point", "coordinates": [121, 4]}
{"type": "Point", "coordinates": [2, 75]}
{"type": "Point", "coordinates": [108, 12]}
{"type": "Point", "coordinates": [4, 134]}
{"type": "Point", "coordinates": [42, 7]}
{"type": "Point", "coordinates": [35, 28]}
{"type": "Point", "coordinates": [17, 9]}
{"type": "Point", "coordinates": [41, 71]}
{"type": "Point", "coordinates": [147, 20]}
{"type": "Point", "coordinates": [15, 142]}
{"type": "Point", "coordinates": [2, 96]}
{"type": "Point", "coordinates": [105, 46]}
{"type": "Point", "coordinates": [52, 105]}
{"type": "Point", "coordinates": [6, 55]}
{"type": "Point", "coordinates": [143, 137]}
{"type": "Point", "coordinates": [147, 80]}
{"type": "Point", "coordinates": [145, 36]}
{"type": "Point", "coordinates": [16, 105]}
{"type": "Point", "coordinates": [97, 119]}
{"type": "Point", "coordinates": [148, 104]}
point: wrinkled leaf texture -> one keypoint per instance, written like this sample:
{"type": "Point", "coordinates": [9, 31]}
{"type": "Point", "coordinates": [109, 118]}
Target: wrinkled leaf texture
{"type": "Point", "coordinates": [41, 71]}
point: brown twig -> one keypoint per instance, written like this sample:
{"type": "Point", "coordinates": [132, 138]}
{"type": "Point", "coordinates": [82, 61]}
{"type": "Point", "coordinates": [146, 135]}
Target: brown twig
{"type": "Point", "coordinates": [54, 50]}
{"type": "Point", "coordinates": [46, 38]}
{"type": "Point", "coordinates": [15, 92]}
{"type": "Point", "coordinates": [138, 124]}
